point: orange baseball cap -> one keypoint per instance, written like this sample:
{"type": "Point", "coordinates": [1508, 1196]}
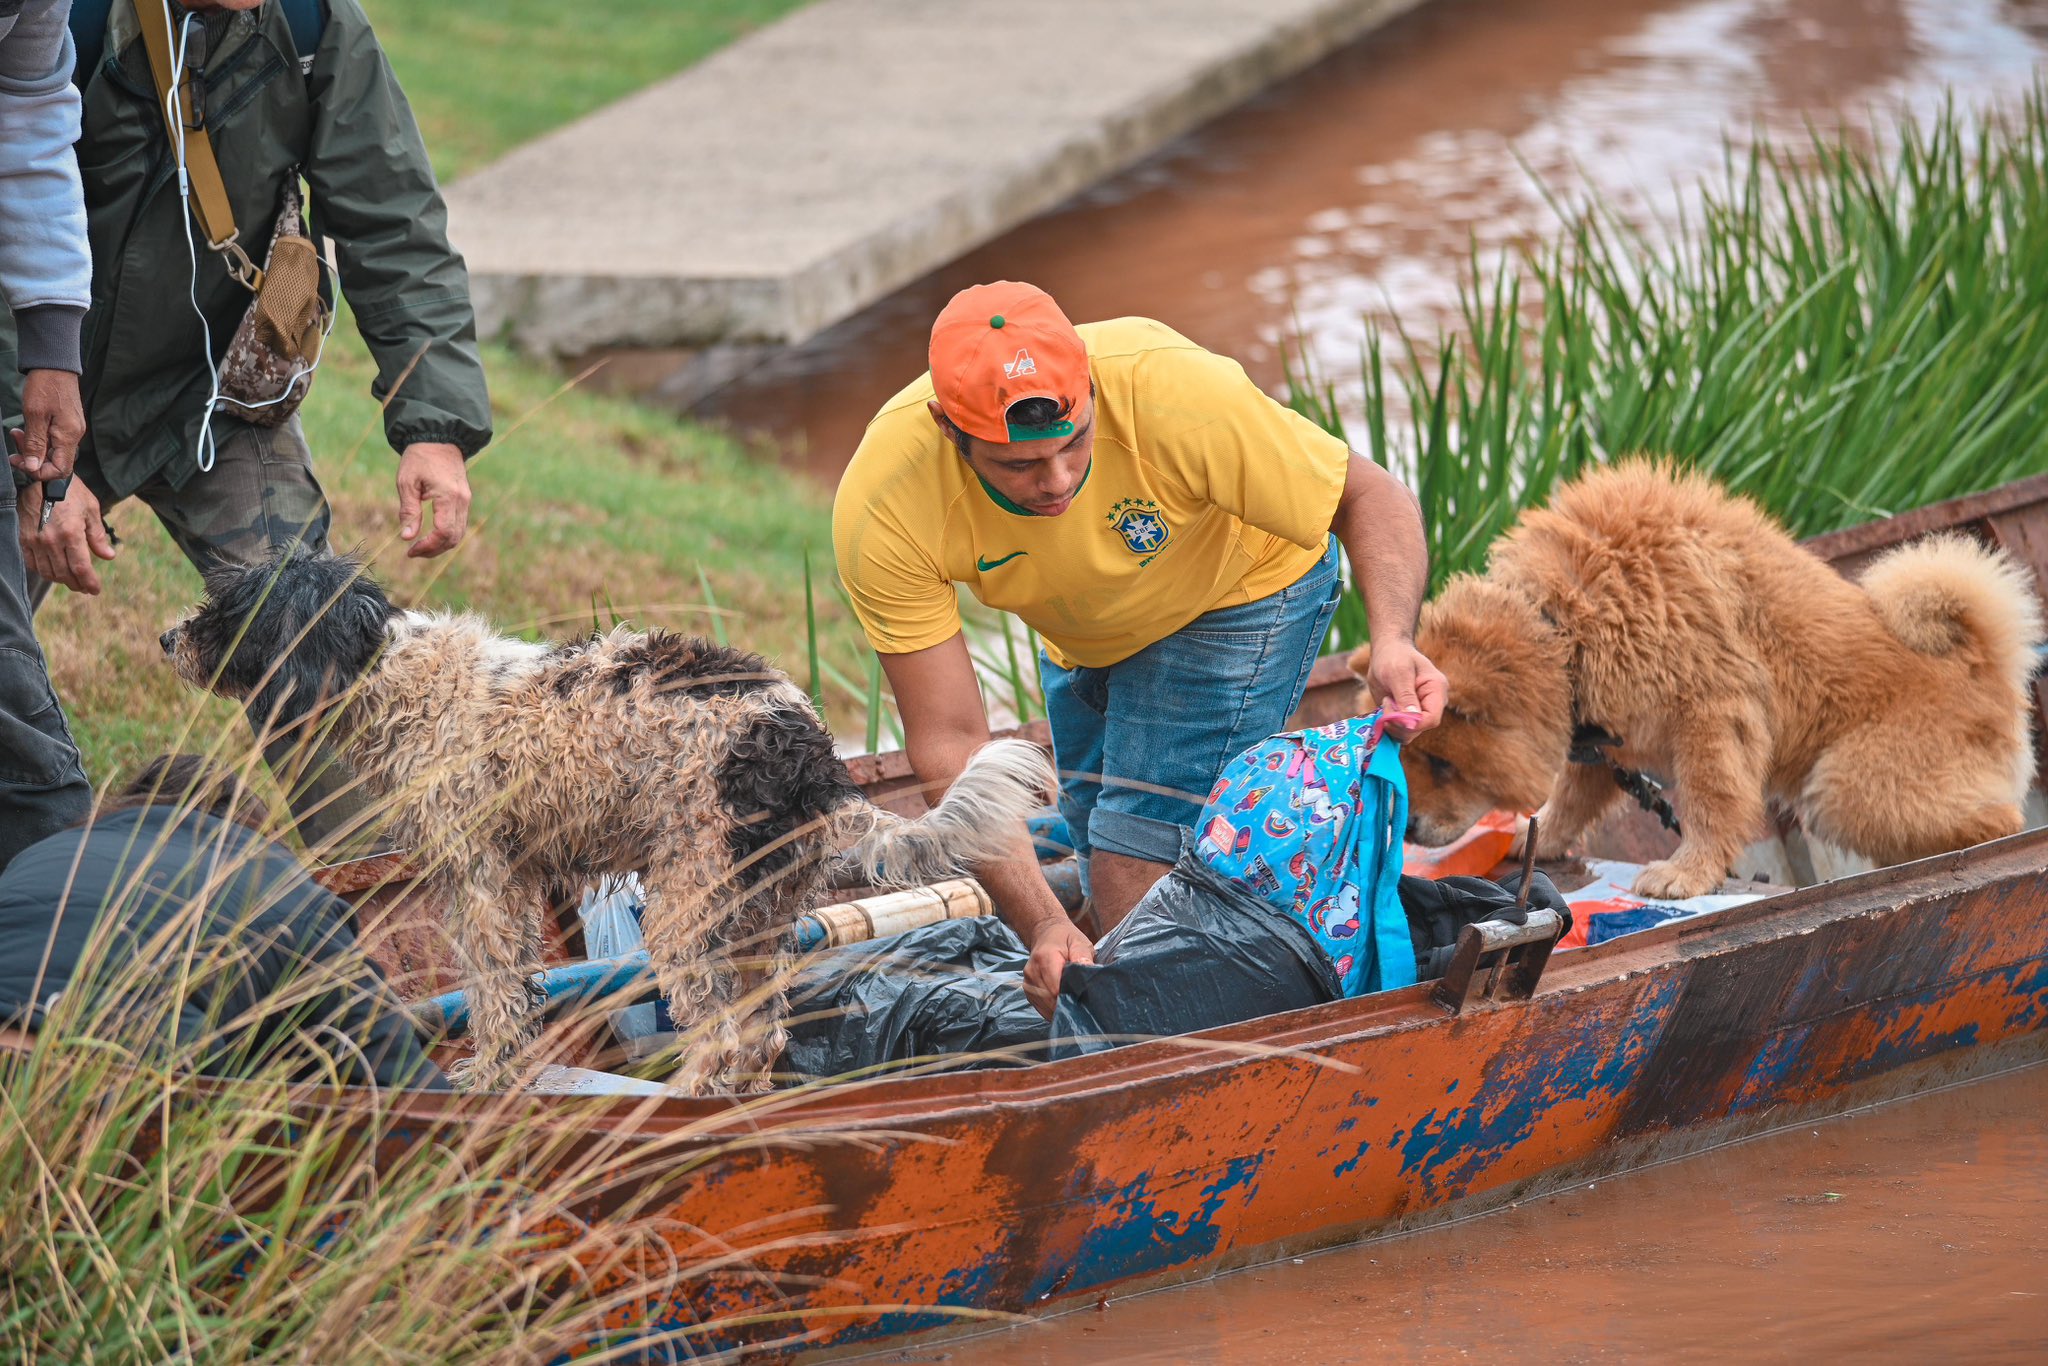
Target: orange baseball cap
{"type": "Point", "coordinates": [994, 345]}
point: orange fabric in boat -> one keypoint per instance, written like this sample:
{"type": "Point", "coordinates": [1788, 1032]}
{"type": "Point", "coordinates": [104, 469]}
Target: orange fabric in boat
{"type": "Point", "coordinates": [1475, 853]}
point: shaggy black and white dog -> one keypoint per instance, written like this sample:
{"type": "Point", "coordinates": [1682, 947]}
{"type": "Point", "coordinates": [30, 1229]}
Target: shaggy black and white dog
{"type": "Point", "coordinates": [508, 768]}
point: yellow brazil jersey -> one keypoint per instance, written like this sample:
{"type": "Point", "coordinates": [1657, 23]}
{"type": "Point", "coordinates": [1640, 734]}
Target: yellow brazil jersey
{"type": "Point", "coordinates": [1203, 493]}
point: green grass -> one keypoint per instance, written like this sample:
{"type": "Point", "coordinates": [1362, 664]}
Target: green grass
{"type": "Point", "coordinates": [1840, 333]}
{"type": "Point", "coordinates": [582, 500]}
{"type": "Point", "coordinates": [486, 75]}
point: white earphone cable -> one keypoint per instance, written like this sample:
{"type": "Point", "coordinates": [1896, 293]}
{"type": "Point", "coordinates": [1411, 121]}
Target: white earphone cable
{"type": "Point", "coordinates": [175, 117]}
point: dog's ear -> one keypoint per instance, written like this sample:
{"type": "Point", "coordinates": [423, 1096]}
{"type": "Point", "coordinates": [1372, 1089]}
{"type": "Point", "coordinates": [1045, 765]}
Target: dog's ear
{"type": "Point", "coordinates": [1493, 650]}
{"type": "Point", "coordinates": [324, 627]}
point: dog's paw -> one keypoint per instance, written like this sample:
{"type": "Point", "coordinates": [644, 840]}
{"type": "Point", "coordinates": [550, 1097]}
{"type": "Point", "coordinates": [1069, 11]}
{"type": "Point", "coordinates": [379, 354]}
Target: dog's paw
{"type": "Point", "coordinates": [479, 1072]}
{"type": "Point", "coordinates": [462, 1074]}
{"type": "Point", "coordinates": [1670, 880]}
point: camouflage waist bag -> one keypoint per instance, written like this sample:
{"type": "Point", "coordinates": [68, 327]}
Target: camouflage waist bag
{"type": "Point", "coordinates": [269, 363]}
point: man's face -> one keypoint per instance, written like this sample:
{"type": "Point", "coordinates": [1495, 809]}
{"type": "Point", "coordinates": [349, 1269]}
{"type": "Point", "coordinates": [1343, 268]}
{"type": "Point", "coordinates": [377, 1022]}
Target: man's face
{"type": "Point", "coordinates": [1039, 476]}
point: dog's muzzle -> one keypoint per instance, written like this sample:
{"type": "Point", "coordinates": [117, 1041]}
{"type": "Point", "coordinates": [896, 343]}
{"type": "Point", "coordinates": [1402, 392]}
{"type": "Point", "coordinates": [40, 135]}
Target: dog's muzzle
{"type": "Point", "coordinates": [168, 640]}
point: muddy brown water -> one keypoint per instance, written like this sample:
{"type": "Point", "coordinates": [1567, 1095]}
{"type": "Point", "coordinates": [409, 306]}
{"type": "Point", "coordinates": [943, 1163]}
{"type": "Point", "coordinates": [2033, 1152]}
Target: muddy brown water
{"type": "Point", "coordinates": [1914, 1232]}
{"type": "Point", "coordinates": [1355, 188]}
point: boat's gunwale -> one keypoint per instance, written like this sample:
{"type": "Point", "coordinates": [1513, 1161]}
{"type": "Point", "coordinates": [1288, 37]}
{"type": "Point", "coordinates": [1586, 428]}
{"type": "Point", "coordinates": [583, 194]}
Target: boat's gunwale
{"type": "Point", "coordinates": [944, 1097]}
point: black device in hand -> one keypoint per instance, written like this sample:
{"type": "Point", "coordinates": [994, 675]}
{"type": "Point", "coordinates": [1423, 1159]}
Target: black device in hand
{"type": "Point", "coordinates": [53, 494]}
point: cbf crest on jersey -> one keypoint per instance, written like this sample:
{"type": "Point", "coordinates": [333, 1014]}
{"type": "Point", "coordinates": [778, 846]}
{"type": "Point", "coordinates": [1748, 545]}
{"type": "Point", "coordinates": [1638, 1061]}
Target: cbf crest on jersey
{"type": "Point", "coordinates": [1139, 522]}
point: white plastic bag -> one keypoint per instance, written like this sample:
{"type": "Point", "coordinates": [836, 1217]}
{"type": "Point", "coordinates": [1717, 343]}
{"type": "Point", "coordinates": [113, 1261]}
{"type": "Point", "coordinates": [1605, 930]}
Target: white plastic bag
{"type": "Point", "coordinates": [611, 929]}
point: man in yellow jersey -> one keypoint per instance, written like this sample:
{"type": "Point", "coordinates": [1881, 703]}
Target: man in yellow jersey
{"type": "Point", "coordinates": [1167, 528]}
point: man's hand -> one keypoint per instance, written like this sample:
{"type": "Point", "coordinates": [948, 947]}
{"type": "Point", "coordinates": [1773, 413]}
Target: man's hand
{"type": "Point", "coordinates": [1380, 525]}
{"type": "Point", "coordinates": [53, 424]}
{"type": "Point", "coordinates": [943, 725]}
{"type": "Point", "coordinates": [1401, 676]}
{"type": "Point", "coordinates": [63, 551]}
{"type": "Point", "coordinates": [432, 472]}
{"type": "Point", "coordinates": [1057, 944]}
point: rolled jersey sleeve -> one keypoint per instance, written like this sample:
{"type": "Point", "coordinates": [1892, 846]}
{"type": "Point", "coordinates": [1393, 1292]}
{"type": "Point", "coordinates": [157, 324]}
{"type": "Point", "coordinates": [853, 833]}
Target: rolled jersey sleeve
{"type": "Point", "coordinates": [373, 192]}
{"type": "Point", "coordinates": [45, 264]}
{"type": "Point", "coordinates": [1241, 449]}
{"type": "Point", "coordinates": [901, 596]}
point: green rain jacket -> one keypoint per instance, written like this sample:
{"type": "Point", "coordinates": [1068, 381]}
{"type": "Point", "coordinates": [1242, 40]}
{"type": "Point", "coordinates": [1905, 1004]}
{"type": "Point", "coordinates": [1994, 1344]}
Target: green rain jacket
{"type": "Point", "coordinates": [342, 122]}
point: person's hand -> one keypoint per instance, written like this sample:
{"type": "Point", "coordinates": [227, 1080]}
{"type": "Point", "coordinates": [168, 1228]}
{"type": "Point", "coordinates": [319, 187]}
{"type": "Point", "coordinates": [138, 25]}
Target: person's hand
{"type": "Point", "coordinates": [1058, 944]}
{"type": "Point", "coordinates": [432, 472]}
{"type": "Point", "coordinates": [53, 423]}
{"type": "Point", "coordinates": [63, 551]}
{"type": "Point", "coordinates": [1401, 677]}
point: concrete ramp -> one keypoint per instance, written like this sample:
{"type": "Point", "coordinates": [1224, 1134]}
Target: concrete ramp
{"type": "Point", "coordinates": [816, 165]}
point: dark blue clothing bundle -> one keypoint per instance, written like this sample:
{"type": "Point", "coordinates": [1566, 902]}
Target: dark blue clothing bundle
{"type": "Point", "coordinates": [145, 868]}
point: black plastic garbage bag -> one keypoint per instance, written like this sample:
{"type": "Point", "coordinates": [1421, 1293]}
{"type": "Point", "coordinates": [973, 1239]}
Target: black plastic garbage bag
{"type": "Point", "coordinates": [953, 989]}
{"type": "Point", "coordinates": [1198, 951]}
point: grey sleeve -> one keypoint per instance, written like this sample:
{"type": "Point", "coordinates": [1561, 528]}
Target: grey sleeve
{"type": "Point", "coordinates": [45, 264]}
{"type": "Point", "coordinates": [375, 194]}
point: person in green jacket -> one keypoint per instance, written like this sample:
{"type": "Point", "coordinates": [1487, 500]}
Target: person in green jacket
{"type": "Point", "coordinates": [334, 116]}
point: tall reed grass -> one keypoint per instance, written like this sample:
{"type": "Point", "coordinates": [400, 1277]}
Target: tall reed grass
{"type": "Point", "coordinates": [148, 1214]}
{"type": "Point", "coordinates": [1846, 328]}
{"type": "Point", "coordinates": [151, 1211]}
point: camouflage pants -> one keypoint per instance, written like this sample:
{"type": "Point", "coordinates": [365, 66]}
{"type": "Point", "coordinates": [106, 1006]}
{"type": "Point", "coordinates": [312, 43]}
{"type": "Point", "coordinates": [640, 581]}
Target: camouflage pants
{"type": "Point", "coordinates": [261, 495]}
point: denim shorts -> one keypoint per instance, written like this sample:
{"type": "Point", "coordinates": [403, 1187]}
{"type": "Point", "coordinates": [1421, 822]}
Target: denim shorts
{"type": "Point", "coordinates": [1139, 743]}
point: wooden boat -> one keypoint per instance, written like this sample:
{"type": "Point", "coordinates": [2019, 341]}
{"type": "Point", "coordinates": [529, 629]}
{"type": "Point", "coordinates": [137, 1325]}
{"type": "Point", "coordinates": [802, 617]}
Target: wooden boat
{"type": "Point", "coordinates": [1035, 1190]}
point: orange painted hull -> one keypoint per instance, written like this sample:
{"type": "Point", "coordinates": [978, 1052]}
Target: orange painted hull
{"type": "Point", "coordinates": [1029, 1191]}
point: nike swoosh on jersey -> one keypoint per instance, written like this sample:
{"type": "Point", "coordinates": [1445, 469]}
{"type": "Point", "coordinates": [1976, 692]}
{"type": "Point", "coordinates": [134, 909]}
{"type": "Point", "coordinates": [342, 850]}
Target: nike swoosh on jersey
{"type": "Point", "coordinates": [985, 565]}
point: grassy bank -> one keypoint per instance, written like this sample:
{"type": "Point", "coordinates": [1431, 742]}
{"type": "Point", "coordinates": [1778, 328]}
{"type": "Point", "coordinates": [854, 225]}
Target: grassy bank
{"type": "Point", "coordinates": [486, 75]}
{"type": "Point", "coordinates": [584, 506]}
{"type": "Point", "coordinates": [1842, 333]}
{"type": "Point", "coordinates": [588, 502]}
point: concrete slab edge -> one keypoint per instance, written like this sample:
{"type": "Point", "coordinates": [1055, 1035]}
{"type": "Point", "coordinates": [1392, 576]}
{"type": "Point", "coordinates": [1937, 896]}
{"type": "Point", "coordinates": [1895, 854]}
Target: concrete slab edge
{"type": "Point", "coordinates": [564, 315]}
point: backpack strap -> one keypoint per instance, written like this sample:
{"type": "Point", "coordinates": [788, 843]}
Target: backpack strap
{"type": "Point", "coordinates": [209, 194]}
{"type": "Point", "coordinates": [88, 23]}
{"type": "Point", "coordinates": [307, 20]}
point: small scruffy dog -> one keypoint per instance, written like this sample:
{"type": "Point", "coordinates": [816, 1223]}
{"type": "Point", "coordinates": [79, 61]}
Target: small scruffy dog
{"type": "Point", "coordinates": [508, 768]}
{"type": "Point", "coordinates": [1889, 713]}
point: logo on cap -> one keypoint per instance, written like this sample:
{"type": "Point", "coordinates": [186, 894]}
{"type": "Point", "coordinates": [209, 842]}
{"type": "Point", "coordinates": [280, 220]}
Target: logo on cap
{"type": "Point", "coordinates": [994, 346]}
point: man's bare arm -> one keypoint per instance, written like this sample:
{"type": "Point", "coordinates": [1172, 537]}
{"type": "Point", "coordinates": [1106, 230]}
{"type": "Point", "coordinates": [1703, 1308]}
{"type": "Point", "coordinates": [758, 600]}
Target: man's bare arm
{"type": "Point", "coordinates": [944, 722]}
{"type": "Point", "coordinates": [1379, 524]}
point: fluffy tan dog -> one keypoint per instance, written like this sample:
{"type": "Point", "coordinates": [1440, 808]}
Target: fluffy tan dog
{"type": "Point", "coordinates": [1889, 714]}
